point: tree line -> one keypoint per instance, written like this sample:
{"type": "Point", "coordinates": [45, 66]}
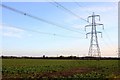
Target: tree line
{"type": "Point", "coordinates": [62, 57]}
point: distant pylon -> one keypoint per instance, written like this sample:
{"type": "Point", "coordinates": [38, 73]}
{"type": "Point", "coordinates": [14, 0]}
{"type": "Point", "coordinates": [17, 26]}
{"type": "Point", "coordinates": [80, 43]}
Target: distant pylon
{"type": "Point", "coordinates": [94, 49]}
{"type": "Point", "coordinates": [118, 52]}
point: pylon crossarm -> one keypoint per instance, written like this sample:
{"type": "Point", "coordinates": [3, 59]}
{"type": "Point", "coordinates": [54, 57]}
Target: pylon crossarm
{"type": "Point", "coordinates": [87, 34]}
{"type": "Point", "coordinates": [87, 26]}
{"type": "Point", "coordinates": [97, 16]}
{"type": "Point", "coordinates": [100, 33]}
{"type": "Point", "coordinates": [98, 24]}
{"type": "Point", "coordinates": [88, 18]}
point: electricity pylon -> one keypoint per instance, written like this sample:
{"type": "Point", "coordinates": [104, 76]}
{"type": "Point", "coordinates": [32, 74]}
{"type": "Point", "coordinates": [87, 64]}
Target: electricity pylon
{"type": "Point", "coordinates": [94, 49]}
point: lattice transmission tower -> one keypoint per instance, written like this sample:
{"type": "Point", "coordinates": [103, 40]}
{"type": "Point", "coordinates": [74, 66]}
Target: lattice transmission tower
{"type": "Point", "coordinates": [94, 49]}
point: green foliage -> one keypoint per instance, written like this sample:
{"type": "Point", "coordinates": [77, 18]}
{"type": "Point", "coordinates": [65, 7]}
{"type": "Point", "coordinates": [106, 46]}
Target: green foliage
{"type": "Point", "coordinates": [90, 75]}
{"type": "Point", "coordinates": [35, 67]}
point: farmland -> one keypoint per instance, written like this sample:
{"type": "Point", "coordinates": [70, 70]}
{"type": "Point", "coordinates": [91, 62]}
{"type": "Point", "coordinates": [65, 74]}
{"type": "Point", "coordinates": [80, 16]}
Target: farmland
{"type": "Point", "coordinates": [49, 68]}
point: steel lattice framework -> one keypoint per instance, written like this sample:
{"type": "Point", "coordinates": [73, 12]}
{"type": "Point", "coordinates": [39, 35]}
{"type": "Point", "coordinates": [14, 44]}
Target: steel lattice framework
{"type": "Point", "coordinates": [94, 49]}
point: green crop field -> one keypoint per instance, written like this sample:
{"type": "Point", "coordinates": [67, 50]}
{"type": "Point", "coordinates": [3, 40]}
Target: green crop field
{"type": "Point", "coordinates": [49, 68]}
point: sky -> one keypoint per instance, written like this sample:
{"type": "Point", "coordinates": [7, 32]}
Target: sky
{"type": "Point", "coordinates": [21, 34]}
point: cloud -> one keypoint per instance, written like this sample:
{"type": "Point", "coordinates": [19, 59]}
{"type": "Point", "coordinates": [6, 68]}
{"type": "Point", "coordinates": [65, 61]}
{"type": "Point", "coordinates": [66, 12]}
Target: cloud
{"type": "Point", "coordinates": [9, 31]}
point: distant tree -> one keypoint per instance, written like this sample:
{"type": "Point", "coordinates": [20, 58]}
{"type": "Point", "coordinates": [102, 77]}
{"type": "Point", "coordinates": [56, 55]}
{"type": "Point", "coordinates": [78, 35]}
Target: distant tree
{"type": "Point", "coordinates": [43, 56]}
{"type": "Point", "coordinates": [61, 56]}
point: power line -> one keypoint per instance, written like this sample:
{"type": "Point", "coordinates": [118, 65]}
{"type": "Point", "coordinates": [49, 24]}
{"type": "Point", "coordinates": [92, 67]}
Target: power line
{"type": "Point", "coordinates": [69, 11]}
{"type": "Point", "coordinates": [104, 30]}
{"type": "Point", "coordinates": [59, 8]}
{"type": "Point", "coordinates": [80, 6]}
{"type": "Point", "coordinates": [107, 45]}
{"type": "Point", "coordinates": [109, 41]}
{"type": "Point", "coordinates": [46, 33]}
{"type": "Point", "coordinates": [108, 37]}
{"type": "Point", "coordinates": [37, 18]}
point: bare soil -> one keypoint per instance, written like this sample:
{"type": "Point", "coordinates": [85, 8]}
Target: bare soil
{"type": "Point", "coordinates": [54, 74]}
{"type": "Point", "coordinates": [67, 73]}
